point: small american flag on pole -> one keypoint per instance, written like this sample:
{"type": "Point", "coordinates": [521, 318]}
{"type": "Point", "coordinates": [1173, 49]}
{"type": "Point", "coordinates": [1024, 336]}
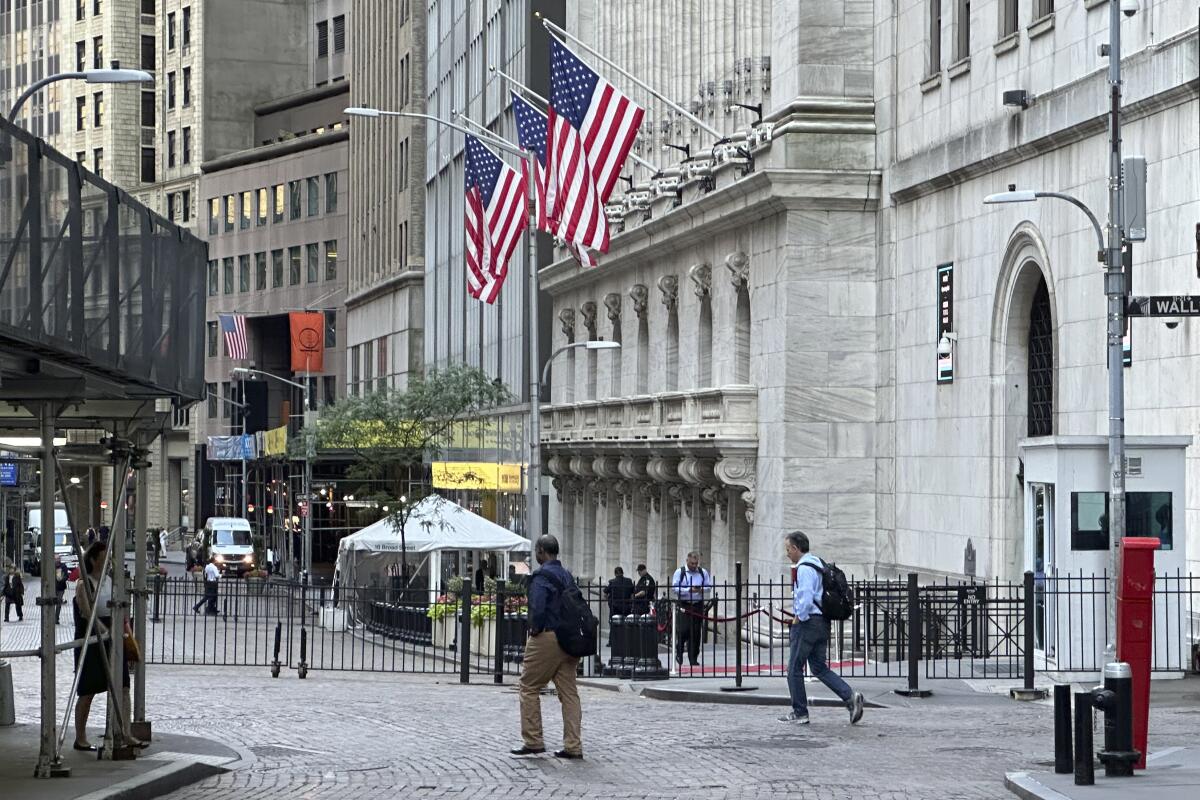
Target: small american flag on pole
{"type": "Point", "coordinates": [495, 217]}
{"type": "Point", "coordinates": [531, 135]}
{"type": "Point", "coordinates": [234, 328]}
{"type": "Point", "coordinates": [591, 128]}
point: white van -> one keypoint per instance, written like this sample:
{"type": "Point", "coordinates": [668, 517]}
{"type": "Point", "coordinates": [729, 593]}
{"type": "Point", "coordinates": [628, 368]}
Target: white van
{"type": "Point", "coordinates": [229, 539]}
{"type": "Point", "coordinates": [64, 548]}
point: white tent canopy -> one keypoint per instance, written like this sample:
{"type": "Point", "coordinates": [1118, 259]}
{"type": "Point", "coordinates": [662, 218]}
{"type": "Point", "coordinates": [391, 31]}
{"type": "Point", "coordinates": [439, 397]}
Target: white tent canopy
{"type": "Point", "coordinates": [434, 524]}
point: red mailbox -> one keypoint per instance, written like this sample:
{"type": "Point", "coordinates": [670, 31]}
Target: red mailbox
{"type": "Point", "coordinates": [1135, 627]}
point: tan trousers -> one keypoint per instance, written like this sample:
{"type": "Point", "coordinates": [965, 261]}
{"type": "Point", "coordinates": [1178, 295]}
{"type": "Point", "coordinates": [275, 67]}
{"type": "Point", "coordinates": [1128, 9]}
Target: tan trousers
{"type": "Point", "coordinates": [545, 661]}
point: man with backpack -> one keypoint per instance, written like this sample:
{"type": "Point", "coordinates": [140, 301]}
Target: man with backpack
{"type": "Point", "coordinates": [820, 595]}
{"type": "Point", "coordinates": [562, 629]}
{"type": "Point", "coordinates": [691, 585]}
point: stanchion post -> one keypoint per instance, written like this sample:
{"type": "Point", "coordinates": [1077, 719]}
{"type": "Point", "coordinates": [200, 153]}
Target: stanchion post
{"type": "Point", "coordinates": [464, 636]}
{"type": "Point", "coordinates": [1028, 628]}
{"type": "Point", "coordinates": [914, 641]}
{"type": "Point", "coordinates": [737, 612]}
{"type": "Point", "coordinates": [1085, 768]}
{"type": "Point", "coordinates": [498, 663]}
{"type": "Point", "coordinates": [1062, 729]}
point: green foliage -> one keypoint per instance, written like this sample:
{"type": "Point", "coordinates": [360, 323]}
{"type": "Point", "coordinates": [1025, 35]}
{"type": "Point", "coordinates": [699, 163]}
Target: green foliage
{"type": "Point", "coordinates": [484, 611]}
{"type": "Point", "coordinates": [455, 585]}
{"type": "Point", "coordinates": [444, 607]}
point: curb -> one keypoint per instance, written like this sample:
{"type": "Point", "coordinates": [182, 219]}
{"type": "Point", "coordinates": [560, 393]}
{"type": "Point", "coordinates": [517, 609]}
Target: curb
{"type": "Point", "coordinates": [158, 782]}
{"type": "Point", "coordinates": [1027, 788]}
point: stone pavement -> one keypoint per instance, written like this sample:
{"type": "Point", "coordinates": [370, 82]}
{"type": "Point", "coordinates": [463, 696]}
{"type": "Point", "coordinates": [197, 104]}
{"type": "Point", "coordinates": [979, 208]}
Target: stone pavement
{"type": "Point", "coordinates": [1170, 774]}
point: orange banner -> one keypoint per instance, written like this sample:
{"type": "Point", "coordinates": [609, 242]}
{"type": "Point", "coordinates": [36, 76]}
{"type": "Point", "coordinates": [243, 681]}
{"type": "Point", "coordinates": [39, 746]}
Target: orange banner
{"type": "Point", "coordinates": [308, 341]}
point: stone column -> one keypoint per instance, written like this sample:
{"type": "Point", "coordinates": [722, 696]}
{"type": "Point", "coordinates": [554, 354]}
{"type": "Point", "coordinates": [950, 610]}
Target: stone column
{"type": "Point", "coordinates": [715, 501]}
{"type": "Point", "coordinates": [651, 499]}
{"type": "Point", "coordinates": [624, 496]}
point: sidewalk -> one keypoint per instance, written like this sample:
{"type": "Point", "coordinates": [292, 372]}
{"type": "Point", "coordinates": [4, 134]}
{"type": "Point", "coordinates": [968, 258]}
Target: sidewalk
{"type": "Point", "coordinates": [1170, 774]}
{"type": "Point", "coordinates": [171, 762]}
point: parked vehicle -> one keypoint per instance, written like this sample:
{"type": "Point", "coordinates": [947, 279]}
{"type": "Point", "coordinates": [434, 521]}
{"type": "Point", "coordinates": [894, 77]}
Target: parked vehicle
{"type": "Point", "coordinates": [230, 540]}
{"type": "Point", "coordinates": [64, 545]}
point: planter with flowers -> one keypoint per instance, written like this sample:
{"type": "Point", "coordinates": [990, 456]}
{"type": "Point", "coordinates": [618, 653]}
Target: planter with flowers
{"type": "Point", "coordinates": [443, 612]}
{"type": "Point", "coordinates": [256, 581]}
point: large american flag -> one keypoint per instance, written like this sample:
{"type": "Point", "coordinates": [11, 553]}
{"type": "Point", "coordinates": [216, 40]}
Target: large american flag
{"type": "Point", "coordinates": [234, 328]}
{"type": "Point", "coordinates": [495, 216]}
{"type": "Point", "coordinates": [531, 135]}
{"type": "Point", "coordinates": [591, 127]}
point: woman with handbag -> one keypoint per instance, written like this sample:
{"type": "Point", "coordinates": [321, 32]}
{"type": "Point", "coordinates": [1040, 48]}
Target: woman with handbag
{"type": "Point", "coordinates": [93, 679]}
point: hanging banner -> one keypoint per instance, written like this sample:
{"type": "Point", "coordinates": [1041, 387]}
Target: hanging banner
{"type": "Point", "coordinates": [945, 323]}
{"type": "Point", "coordinates": [470, 475]}
{"type": "Point", "coordinates": [232, 448]}
{"type": "Point", "coordinates": [308, 341]}
{"type": "Point", "coordinates": [275, 441]}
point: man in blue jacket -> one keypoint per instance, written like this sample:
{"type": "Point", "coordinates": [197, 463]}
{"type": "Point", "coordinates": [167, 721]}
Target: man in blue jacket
{"type": "Point", "coordinates": [545, 660]}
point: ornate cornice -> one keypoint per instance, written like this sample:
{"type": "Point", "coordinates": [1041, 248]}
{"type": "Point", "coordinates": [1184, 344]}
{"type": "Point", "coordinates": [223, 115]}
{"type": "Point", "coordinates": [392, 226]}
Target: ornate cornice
{"type": "Point", "coordinates": [567, 319]}
{"type": "Point", "coordinates": [697, 471]}
{"type": "Point", "coordinates": [640, 296]}
{"type": "Point", "coordinates": [669, 286]}
{"type": "Point", "coordinates": [701, 275]}
{"type": "Point", "coordinates": [612, 302]}
{"type": "Point", "coordinates": [738, 471]}
{"type": "Point", "coordinates": [738, 265]}
{"type": "Point", "coordinates": [589, 310]}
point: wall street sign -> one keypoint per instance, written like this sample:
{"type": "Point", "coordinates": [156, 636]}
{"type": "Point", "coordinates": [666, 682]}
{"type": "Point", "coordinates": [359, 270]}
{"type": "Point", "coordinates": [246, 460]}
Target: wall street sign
{"type": "Point", "coordinates": [1181, 305]}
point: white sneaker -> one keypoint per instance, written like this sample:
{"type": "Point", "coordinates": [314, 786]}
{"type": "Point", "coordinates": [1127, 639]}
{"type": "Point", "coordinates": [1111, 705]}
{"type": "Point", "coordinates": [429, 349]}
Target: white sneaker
{"type": "Point", "coordinates": [795, 718]}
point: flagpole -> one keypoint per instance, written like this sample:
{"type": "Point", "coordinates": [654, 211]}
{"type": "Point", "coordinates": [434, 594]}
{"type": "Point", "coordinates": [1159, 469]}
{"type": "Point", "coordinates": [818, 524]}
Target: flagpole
{"type": "Point", "coordinates": [500, 74]}
{"type": "Point", "coordinates": [551, 27]}
{"type": "Point", "coordinates": [533, 492]}
{"type": "Point", "coordinates": [488, 134]}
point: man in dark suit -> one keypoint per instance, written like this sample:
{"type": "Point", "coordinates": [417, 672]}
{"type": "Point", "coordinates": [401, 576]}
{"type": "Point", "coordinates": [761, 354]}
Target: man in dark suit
{"type": "Point", "coordinates": [14, 594]}
{"type": "Point", "coordinates": [643, 593]}
{"type": "Point", "coordinates": [619, 593]}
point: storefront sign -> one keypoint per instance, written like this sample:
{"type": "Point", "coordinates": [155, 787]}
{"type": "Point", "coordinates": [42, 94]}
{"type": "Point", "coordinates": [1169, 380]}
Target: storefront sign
{"type": "Point", "coordinates": [482, 476]}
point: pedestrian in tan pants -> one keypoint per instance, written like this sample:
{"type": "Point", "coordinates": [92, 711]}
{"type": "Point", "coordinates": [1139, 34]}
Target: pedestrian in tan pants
{"type": "Point", "coordinates": [545, 660]}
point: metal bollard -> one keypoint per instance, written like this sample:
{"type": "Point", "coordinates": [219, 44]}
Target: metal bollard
{"type": "Point", "coordinates": [1084, 766]}
{"type": "Point", "coordinates": [1062, 729]}
{"type": "Point", "coordinates": [1116, 701]}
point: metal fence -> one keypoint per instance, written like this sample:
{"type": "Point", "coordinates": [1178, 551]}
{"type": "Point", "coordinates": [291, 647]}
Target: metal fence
{"type": "Point", "coordinates": [899, 629]}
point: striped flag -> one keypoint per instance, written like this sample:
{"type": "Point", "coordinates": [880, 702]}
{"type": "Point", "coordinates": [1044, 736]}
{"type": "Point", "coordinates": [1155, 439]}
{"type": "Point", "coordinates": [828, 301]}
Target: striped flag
{"type": "Point", "coordinates": [495, 217]}
{"type": "Point", "coordinates": [531, 135]}
{"type": "Point", "coordinates": [234, 328]}
{"type": "Point", "coordinates": [591, 127]}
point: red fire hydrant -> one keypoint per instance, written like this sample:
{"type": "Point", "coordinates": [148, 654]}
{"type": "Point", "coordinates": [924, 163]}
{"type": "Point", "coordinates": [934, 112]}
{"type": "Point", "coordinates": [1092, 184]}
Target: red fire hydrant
{"type": "Point", "coordinates": [1135, 628]}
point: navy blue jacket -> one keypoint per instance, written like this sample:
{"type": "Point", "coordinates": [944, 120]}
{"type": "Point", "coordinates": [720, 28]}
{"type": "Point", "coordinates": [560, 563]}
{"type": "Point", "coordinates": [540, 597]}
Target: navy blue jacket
{"type": "Point", "coordinates": [545, 595]}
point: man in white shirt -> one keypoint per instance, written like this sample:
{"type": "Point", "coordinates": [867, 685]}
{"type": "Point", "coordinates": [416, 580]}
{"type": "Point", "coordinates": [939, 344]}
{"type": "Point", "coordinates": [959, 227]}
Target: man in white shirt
{"type": "Point", "coordinates": [810, 635]}
{"type": "Point", "coordinates": [212, 577]}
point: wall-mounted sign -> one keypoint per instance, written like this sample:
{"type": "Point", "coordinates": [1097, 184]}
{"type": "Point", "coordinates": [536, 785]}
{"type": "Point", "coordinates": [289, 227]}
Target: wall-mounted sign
{"type": "Point", "coordinates": [945, 322]}
{"type": "Point", "coordinates": [1127, 342]}
{"type": "Point", "coordinates": [8, 473]}
{"type": "Point", "coordinates": [468, 475]}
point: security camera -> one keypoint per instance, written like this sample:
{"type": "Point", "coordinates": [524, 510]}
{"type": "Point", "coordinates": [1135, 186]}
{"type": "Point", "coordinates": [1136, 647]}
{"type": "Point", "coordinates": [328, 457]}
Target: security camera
{"type": "Point", "coordinates": [1171, 322]}
{"type": "Point", "coordinates": [1129, 7]}
{"type": "Point", "coordinates": [946, 344]}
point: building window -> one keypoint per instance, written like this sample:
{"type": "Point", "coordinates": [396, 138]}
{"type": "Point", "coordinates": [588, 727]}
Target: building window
{"type": "Point", "coordinates": [147, 165]}
{"type": "Point", "coordinates": [80, 56]}
{"type": "Point", "coordinates": [80, 10]}
{"type": "Point", "coordinates": [148, 108]}
{"type": "Point", "coordinates": [212, 339]}
{"type": "Point", "coordinates": [330, 192]}
{"type": "Point", "coordinates": [171, 206]}
{"type": "Point", "coordinates": [962, 29]}
{"type": "Point", "coordinates": [264, 202]}
{"type": "Point", "coordinates": [354, 370]}
{"type": "Point", "coordinates": [171, 31]}
{"type": "Point", "coordinates": [80, 112]}
{"type": "Point", "coordinates": [214, 215]}
{"type": "Point", "coordinates": [368, 366]}
{"type": "Point", "coordinates": [170, 90]}
{"type": "Point", "coordinates": [339, 34]}
{"type": "Point", "coordinates": [704, 350]}
{"type": "Point", "coordinates": [331, 259]}
{"type": "Point", "coordinates": [247, 209]}
{"type": "Point", "coordinates": [227, 273]}
{"type": "Point", "coordinates": [230, 212]}
{"type": "Point", "coordinates": [171, 149]}
{"type": "Point", "coordinates": [331, 329]}
{"type": "Point", "coordinates": [313, 264]}
{"type": "Point", "coordinates": [1008, 17]}
{"type": "Point", "coordinates": [672, 347]}
{"type": "Point", "coordinates": [148, 53]}
{"type": "Point", "coordinates": [227, 395]}
{"type": "Point", "coordinates": [322, 39]}
{"type": "Point", "coordinates": [187, 145]}
{"type": "Point", "coordinates": [935, 37]}
{"type": "Point", "coordinates": [98, 52]}
{"type": "Point", "coordinates": [314, 197]}
{"type": "Point", "coordinates": [260, 271]}
{"type": "Point", "coordinates": [98, 161]}
{"type": "Point", "coordinates": [213, 279]}
{"type": "Point", "coordinates": [382, 367]}
{"type": "Point", "coordinates": [210, 391]}
{"type": "Point", "coordinates": [293, 266]}
{"type": "Point", "coordinates": [187, 202]}
{"type": "Point", "coordinates": [187, 25]}
{"type": "Point", "coordinates": [98, 109]}
{"type": "Point", "coordinates": [330, 389]}
{"type": "Point", "coordinates": [1042, 8]}
{"type": "Point", "coordinates": [278, 217]}
{"type": "Point", "coordinates": [294, 194]}
{"type": "Point", "coordinates": [96, 7]}
{"type": "Point", "coordinates": [276, 269]}
{"type": "Point", "coordinates": [1041, 364]}
{"type": "Point", "coordinates": [244, 273]}
{"type": "Point", "coordinates": [148, 7]}
{"type": "Point", "coordinates": [187, 86]}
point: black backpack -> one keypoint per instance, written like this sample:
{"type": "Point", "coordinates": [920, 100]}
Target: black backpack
{"type": "Point", "coordinates": [837, 598]}
{"type": "Point", "coordinates": [577, 625]}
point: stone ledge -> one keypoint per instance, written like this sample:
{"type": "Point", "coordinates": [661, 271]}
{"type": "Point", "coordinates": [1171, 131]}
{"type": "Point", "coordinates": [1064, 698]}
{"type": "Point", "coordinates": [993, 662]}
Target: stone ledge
{"type": "Point", "coordinates": [1041, 26]}
{"type": "Point", "coordinates": [1007, 43]}
{"type": "Point", "coordinates": [931, 82]}
{"type": "Point", "coordinates": [960, 67]}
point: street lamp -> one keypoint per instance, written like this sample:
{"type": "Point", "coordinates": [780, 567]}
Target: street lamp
{"type": "Point", "coordinates": [88, 75]}
{"type": "Point", "coordinates": [306, 557]}
{"type": "Point", "coordinates": [533, 494]}
{"type": "Point", "coordinates": [1030, 196]}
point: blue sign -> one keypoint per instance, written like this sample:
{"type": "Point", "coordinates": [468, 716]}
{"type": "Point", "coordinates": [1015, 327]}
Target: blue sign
{"type": "Point", "coordinates": [8, 473]}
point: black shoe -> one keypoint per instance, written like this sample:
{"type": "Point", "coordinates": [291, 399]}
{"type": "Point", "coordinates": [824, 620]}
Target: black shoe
{"type": "Point", "coordinates": [527, 751]}
{"type": "Point", "coordinates": [567, 754]}
{"type": "Point", "coordinates": [90, 748]}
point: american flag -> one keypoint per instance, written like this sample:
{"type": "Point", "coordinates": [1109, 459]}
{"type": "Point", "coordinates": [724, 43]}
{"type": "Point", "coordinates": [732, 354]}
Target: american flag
{"type": "Point", "coordinates": [591, 128]}
{"type": "Point", "coordinates": [495, 216]}
{"type": "Point", "coordinates": [234, 328]}
{"type": "Point", "coordinates": [531, 135]}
